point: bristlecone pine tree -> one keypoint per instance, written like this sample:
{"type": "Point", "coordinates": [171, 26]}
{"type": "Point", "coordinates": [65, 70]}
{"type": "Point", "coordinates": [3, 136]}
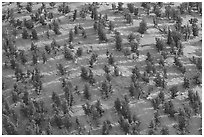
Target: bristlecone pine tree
{"type": "Point", "coordinates": [56, 28]}
{"type": "Point", "coordinates": [56, 99]}
{"type": "Point", "coordinates": [120, 6]}
{"type": "Point", "coordinates": [66, 9]}
{"type": "Point", "coordinates": [186, 83]}
{"type": "Point", "coordinates": [79, 52]}
{"type": "Point", "coordinates": [75, 15]}
{"type": "Point", "coordinates": [157, 11]}
{"type": "Point", "coordinates": [111, 26]}
{"type": "Point", "coordinates": [131, 7]}
{"type": "Point", "coordinates": [87, 94]}
{"type": "Point", "coordinates": [118, 42]}
{"type": "Point", "coordinates": [71, 36]}
{"type": "Point", "coordinates": [142, 27]}
{"type": "Point", "coordinates": [34, 35]}
{"type": "Point", "coordinates": [136, 11]}
{"type": "Point", "coordinates": [95, 13]}
{"type": "Point", "coordinates": [102, 34]}
{"type": "Point", "coordinates": [84, 73]}
{"type": "Point", "coordinates": [164, 131]}
{"type": "Point", "coordinates": [174, 91]}
{"type": "Point", "coordinates": [176, 35]}
{"type": "Point", "coordinates": [160, 45]}
{"type": "Point", "coordinates": [111, 60]}
{"type": "Point", "coordinates": [169, 38]}
{"type": "Point", "coordinates": [25, 33]}
{"type": "Point", "coordinates": [76, 30]}
{"type": "Point", "coordinates": [195, 29]}
{"type": "Point", "coordinates": [131, 37]}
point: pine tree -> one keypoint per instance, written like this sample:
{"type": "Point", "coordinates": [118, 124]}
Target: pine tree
{"type": "Point", "coordinates": [111, 59]}
{"type": "Point", "coordinates": [157, 11]}
{"type": "Point", "coordinates": [76, 30]}
{"type": "Point", "coordinates": [132, 90]}
{"type": "Point", "coordinates": [25, 97]}
{"type": "Point", "coordinates": [169, 38]}
{"type": "Point", "coordinates": [35, 59]}
{"type": "Point", "coordinates": [106, 69]}
{"type": "Point", "coordinates": [142, 27]}
{"type": "Point", "coordinates": [56, 99]}
{"type": "Point", "coordinates": [175, 14]}
{"type": "Point", "coordinates": [134, 46]}
{"type": "Point", "coordinates": [155, 103]}
{"type": "Point", "coordinates": [131, 7]}
{"type": "Point", "coordinates": [111, 26]}
{"type": "Point", "coordinates": [161, 96]}
{"type": "Point", "coordinates": [15, 97]}
{"type": "Point", "coordinates": [84, 73]}
{"type": "Point", "coordinates": [84, 33]}
{"type": "Point", "coordinates": [120, 6]}
{"type": "Point", "coordinates": [71, 36]}
{"type": "Point", "coordinates": [65, 107]}
{"type": "Point", "coordinates": [23, 57]}
{"type": "Point", "coordinates": [25, 33]}
{"type": "Point", "coordinates": [56, 28]}
{"type": "Point", "coordinates": [50, 15]}
{"type": "Point", "coordinates": [195, 29]}
{"type": "Point", "coordinates": [155, 21]}
{"type": "Point", "coordinates": [48, 34]}
{"type": "Point", "coordinates": [101, 34]}
{"type": "Point", "coordinates": [147, 6]}
{"type": "Point", "coordinates": [118, 42]}
{"type": "Point", "coordinates": [29, 8]}
{"type": "Point", "coordinates": [168, 11]}
{"type": "Point", "coordinates": [176, 36]}
{"type": "Point", "coordinates": [117, 105]}
{"type": "Point", "coordinates": [67, 122]}
{"type": "Point", "coordinates": [160, 45]}
{"type": "Point", "coordinates": [164, 131]}
{"type": "Point", "coordinates": [44, 58]}
{"type": "Point", "coordinates": [67, 10]}
{"type": "Point", "coordinates": [158, 80]}
{"type": "Point", "coordinates": [42, 21]}
{"type": "Point", "coordinates": [79, 52]}
{"type": "Point", "coordinates": [61, 69]}
{"type": "Point", "coordinates": [131, 37]}
{"type": "Point", "coordinates": [182, 124]}
{"type": "Point", "coordinates": [156, 118]}
{"type": "Point", "coordinates": [95, 26]}
{"type": "Point", "coordinates": [95, 13]}
{"type": "Point", "coordinates": [58, 120]}
{"type": "Point", "coordinates": [113, 6]}
{"type": "Point", "coordinates": [186, 83]}
{"type": "Point", "coordinates": [174, 91]}
{"type": "Point", "coordinates": [6, 107]}
{"type": "Point", "coordinates": [178, 23]}
{"type": "Point", "coordinates": [34, 35]}
{"type": "Point", "coordinates": [52, 4]}
{"type": "Point", "coordinates": [108, 77]}
{"type": "Point", "coordinates": [136, 11]}
{"type": "Point", "coordinates": [105, 128]}
{"type": "Point", "coordinates": [75, 15]}
{"type": "Point", "coordinates": [116, 71]}
{"type": "Point", "coordinates": [10, 128]}
{"type": "Point", "coordinates": [87, 94]}
{"type": "Point", "coordinates": [105, 89]}
{"type": "Point", "coordinates": [129, 18]}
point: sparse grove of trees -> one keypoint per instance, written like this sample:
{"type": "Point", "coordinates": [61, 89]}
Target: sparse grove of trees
{"type": "Point", "coordinates": [101, 68]}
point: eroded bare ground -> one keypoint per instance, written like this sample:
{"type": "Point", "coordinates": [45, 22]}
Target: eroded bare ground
{"type": "Point", "coordinates": [142, 108]}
